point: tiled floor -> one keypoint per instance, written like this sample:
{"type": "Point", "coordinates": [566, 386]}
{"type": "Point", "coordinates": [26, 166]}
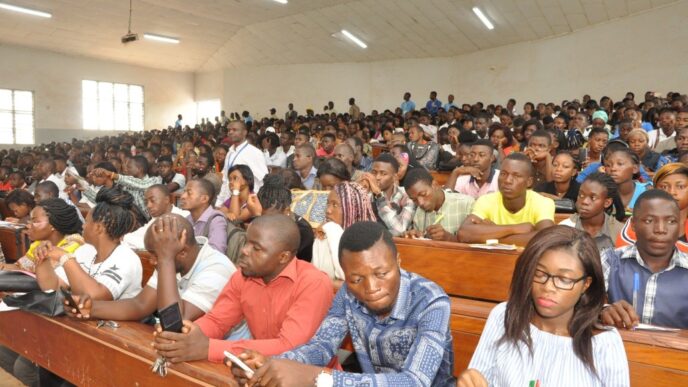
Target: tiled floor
{"type": "Point", "coordinates": [7, 380]}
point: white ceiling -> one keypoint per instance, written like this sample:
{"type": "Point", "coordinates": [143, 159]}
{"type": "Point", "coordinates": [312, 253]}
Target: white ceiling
{"type": "Point", "coordinates": [227, 33]}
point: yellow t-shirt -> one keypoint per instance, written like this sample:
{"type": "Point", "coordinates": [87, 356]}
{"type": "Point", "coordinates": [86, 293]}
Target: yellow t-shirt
{"type": "Point", "coordinates": [536, 209]}
{"type": "Point", "coordinates": [69, 244]}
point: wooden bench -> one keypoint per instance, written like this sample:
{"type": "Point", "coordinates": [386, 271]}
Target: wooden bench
{"type": "Point", "coordinates": [86, 356]}
{"type": "Point", "coordinates": [658, 359]}
{"type": "Point", "coordinates": [440, 177]}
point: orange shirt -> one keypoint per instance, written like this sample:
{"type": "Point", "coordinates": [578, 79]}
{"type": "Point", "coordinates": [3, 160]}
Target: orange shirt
{"type": "Point", "coordinates": [281, 315]}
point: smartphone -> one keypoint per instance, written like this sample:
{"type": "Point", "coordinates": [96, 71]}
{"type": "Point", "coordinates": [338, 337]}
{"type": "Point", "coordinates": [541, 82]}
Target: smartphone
{"type": "Point", "coordinates": [171, 318]}
{"type": "Point", "coordinates": [70, 300]}
{"type": "Point", "coordinates": [240, 363]}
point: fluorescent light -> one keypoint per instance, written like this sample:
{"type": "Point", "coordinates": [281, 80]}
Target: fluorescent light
{"type": "Point", "coordinates": [33, 12]}
{"type": "Point", "coordinates": [354, 39]}
{"type": "Point", "coordinates": [281, 1]}
{"type": "Point", "coordinates": [483, 18]}
{"type": "Point", "coordinates": [160, 38]}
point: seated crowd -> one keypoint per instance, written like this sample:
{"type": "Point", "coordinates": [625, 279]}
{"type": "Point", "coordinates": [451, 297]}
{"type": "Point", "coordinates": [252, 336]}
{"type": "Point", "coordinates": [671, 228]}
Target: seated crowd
{"type": "Point", "coordinates": [251, 224]}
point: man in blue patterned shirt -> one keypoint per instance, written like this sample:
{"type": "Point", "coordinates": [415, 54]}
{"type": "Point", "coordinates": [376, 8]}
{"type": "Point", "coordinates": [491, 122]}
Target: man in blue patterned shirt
{"type": "Point", "coordinates": [398, 322]}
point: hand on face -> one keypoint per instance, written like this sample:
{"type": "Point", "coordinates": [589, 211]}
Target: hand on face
{"type": "Point", "coordinates": [165, 238]}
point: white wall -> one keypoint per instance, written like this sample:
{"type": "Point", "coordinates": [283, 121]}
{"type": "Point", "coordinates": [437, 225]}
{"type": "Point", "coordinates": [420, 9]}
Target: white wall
{"type": "Point", "coordinates": [56, 79]}
{"type": "Point", "coordinates": [642, 52]}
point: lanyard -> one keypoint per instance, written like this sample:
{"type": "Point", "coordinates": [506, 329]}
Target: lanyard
{"type": "Point", "coordinates": [236, 155]}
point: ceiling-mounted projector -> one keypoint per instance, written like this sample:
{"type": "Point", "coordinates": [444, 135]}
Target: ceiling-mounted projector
{"type": "Point", "coordinates": [128, 38]}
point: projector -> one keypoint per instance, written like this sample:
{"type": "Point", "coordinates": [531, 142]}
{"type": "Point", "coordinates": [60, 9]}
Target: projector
{"type": "Point", "coordinates": [128, 38]}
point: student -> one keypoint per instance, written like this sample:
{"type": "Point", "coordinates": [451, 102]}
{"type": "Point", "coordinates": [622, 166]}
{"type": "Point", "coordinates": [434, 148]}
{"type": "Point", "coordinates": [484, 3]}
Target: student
{"type": "Point", "coordinates": [439, 213]}
{"type": "Point", "coordinates": [46, 171]}
{"type": "Point", "coordinates": [538, 150]}
{"type": "Point", "coordinates": [103, 268]}
{"type": "Point", "coordinates": [660, 268]}
{"type": "Point", "coordinates": [390, 202]}
{"type": "Point", "coordinates": [563, 184]}
{"type": "Point", "coordinates": [51, 220]}
{"type": "Point", "coordinates": [345, 153]}
{"type": "Point", "coordinates": [20, 202]}
{"type": "Point", "coordinates": [304, 159]}
{"type": "Point", "coordinates": [158, 204]}
{"type": "Point", "coordinates": [188, 271]}
{"type": "Point", "coordinates": [672, 178]}
{"type": "Point", "coordinates": [478, 176]}
{"type": "Point", "coordinates": [241, 184]}
{"type": "Point", "coordinates": [623, 166]}
{"type": "Point", "coordinates": [203, 169]}
{"type": "Point", "coordinates": [270, 144]}
{"type": "Point", "coordinates": [206, 221]}
{"type": "Point", "coordinates": [513, 214]}
{"type": "Point", "coordinates": [679, 146]}
{"type": "Point", "coordinates": [612, 146]}
{"type": "Point", "coordinates": [638, 143]}
{"type": "Point", "coordinates": [299, 296]}
{"type": "Point", "coordinates": [547, 333]}
{"type": "Point", "coordinates": [596, 196]}
{"type": "Point", "coordinates": [597, 142]}
{"type": "Point", "coordinates": [378, 305]}
{"type": "Point", "coordinates": [174, 181]}
{"type": "Point", "coordinates": [347, 204]}
{"type": "Point", "coordinates": [502, 140]}
{"type": "Point", "coordinates": [407, 161]}
{"type": "Point", "coordinates": [326, 149]}
{"type": "Point", "coordinates": [275, 198]}
{"type": "Point", "coordinates": [135, 182]}
{"type": "Point", "coordinates": [330, 173]}
{"type": "Point", "coordinates": [424, 150]}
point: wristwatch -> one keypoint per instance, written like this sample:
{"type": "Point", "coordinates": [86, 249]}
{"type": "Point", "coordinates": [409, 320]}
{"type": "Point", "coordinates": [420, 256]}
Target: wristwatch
{"type": "Point", "coordinates": [325, 378]}
{"type": "Point", "coordinates": [235, 192]}
{"type": "Point", "coordinates": [64, 258]}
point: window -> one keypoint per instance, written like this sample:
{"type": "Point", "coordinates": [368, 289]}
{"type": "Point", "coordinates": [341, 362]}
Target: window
{"type": "Point", "coordinates": [112, 106]}
{"type": "Point", "coordinates": [16, 117]}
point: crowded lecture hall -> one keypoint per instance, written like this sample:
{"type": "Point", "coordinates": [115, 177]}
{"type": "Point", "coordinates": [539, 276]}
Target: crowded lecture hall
{"type": "Point", "coordinates": [340, 193]}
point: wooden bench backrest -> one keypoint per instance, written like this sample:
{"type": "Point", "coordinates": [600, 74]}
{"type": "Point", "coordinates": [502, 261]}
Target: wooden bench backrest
{"type": "Point", "coordinates": [5, 210]}
{"type": "Point", "coordinates": [14, 243]}
{"type": "Point", "coordinates": [461, 270]}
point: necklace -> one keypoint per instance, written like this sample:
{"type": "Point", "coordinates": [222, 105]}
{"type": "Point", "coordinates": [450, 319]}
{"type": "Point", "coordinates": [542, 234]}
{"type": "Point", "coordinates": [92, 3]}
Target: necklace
{"type": "Point", "coordinates": [93, 262]}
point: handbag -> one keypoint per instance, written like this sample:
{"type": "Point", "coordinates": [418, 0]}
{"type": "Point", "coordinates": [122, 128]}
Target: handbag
{"type": "Point", "coordinates": [564, 206]}
{"type": "Point", "coordinates": [17, 281]}
{"type": "Point", "coordinates": [49, 303]}
{"type": "Point", "coordinates": [310, 205]}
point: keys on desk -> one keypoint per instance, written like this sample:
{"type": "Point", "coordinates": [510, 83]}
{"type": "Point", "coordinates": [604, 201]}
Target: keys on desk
{"type": "Point", "coordinates": [160, 366]}
{"type": "Point", "coordinates": [109, 324]}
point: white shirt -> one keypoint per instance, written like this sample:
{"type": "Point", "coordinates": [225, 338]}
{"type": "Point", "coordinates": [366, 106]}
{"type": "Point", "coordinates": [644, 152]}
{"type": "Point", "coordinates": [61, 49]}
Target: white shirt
{"type": "Point", "coordinates": [276, 160]}
{"type": "Point", "coordinates": [653, 137]}
{"type": "Point", "coordinates": [243, 154]}
{"type": "Point", "coordinates": [60, 183]}
{"type": "Point", "coordinates": [134, 240]}
{"type": "Point", "coordinates": [120, 273]}
{"type": "Point", "coordinates": [289, 152]}
{"type": "Point", "coordinates": [206, 278]}
{"type": "Point", "coordinates": [553, 361]}
{"type": "Point", "coordinates": [326, 251]}
{"type": "Point", "coordinates": [181, 180]}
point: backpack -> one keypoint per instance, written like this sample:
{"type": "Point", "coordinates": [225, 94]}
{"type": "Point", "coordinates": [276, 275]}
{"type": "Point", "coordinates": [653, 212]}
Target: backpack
{"type": "Point", "coordinates": [236, 238]}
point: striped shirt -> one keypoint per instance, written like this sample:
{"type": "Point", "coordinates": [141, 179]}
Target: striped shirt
{"type": "Point", "coordinates": [662, 297]}
{"type": "Point", "coordinates": [552, 363]}
{"type": "Point", "coordinates": [396, 213]}
{"type": "Point", "coordinates": [410, 347]}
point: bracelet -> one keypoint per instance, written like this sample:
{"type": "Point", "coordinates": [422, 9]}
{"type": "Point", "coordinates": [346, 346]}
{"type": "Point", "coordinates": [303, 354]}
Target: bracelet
{"type": "Point", "coordinates": [64, 258]}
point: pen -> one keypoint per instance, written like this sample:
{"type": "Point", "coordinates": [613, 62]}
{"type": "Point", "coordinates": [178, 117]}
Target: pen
{"type": "Point", "coordinates": [636, 287]}
{"type": "Point", "coordinates": [438, 219]}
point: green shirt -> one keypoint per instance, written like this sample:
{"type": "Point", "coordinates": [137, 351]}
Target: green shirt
{"type": "Point", "coordinates": [456, 208]}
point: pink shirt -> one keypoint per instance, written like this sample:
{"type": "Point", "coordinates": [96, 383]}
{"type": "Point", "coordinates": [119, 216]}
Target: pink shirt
{"type": "Point", "coordinates": [281, 315]}
{"type": "Point", "coordinates": [467, 185]}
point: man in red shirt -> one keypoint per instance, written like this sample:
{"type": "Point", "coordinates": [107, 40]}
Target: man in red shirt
{"type": "Point", "coordinates": [282, 299]}
{"type": "Point", "coordinates": [5, 179]}
{"type": "Point", "coordinates": [327, 144]}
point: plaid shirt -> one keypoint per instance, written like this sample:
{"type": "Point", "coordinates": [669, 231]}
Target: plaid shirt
{"type": "Point", "coordinates": [456, 208]}
{"type": "Point", "coordinates": [662, 297]}
{"type": "Point", "coordinates": [396, 213]}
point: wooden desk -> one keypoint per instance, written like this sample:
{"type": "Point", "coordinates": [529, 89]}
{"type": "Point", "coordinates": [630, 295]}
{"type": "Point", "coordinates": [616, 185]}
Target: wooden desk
{"type": "Point", "coordinates": [440, 177]}
{"type": "Point", "coordinates": [14, 243]}
{"type": "Point", "coordinates": [146, 265]}
{"type": "Point", "coordinates": [86, 356]}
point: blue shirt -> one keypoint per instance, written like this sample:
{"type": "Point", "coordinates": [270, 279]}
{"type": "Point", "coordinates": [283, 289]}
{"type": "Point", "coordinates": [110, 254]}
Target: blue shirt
{"type": "Point", "coordinates": [410, 347]}
{"type": "Point", "coordinates": [310, 179]}
{"type": "Point", "coordinates": [433, 106]}
{"type": "Point", "coordinates": [593, 167]}
{"type": "Point", "coordinates": [662, 297]}
{"type": "Point", "coordinates": [408, 106]}
{"type": "Point", "coordinates": [449, 105]}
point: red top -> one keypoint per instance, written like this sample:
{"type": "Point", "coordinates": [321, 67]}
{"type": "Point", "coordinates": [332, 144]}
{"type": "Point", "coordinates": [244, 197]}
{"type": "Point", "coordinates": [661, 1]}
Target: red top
{"type": "Point", "coordinates": [281, 315]}
{"type": "Point", "coordinates": [627, 237]}
{"type": "Point", "coordinates": [321, 153]}
{"type": "Point", "coordinates": [5, 186]}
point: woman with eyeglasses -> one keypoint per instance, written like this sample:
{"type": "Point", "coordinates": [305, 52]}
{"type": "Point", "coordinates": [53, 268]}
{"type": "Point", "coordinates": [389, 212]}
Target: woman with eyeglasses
{"type": "Point", "coordinates": [51, 220]}
{"type": "Point", "coordinates": [547, 333]}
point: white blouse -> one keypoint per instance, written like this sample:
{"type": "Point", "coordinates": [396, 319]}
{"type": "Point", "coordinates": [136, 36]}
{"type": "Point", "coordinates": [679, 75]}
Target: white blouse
{"type": "Point", "coordinates": [553, 362]}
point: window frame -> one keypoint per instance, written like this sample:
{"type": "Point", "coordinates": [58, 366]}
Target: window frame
{"type": "Point", "coordinates": [14, 111]}
{"type": "Point", "coordinates": [114, 101]}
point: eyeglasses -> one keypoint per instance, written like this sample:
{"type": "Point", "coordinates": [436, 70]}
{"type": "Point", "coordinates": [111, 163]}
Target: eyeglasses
{"type": "Point", "coordinates": [559, 282]}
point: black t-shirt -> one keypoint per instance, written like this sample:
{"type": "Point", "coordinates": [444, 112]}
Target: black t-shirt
{"type": "Point", "coordinates": [305, 252]}
{"type": "Point", "coordinates": [548, 187]}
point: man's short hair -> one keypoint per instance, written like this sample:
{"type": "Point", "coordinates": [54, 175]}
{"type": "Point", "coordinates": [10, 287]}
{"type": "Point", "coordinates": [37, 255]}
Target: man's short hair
{"type": "Point", "coordinates": [524, 159]}
{"type": "Point", "coordinates": [207, 188]}
{"type": "Point", "coordinates": [415, 175]}
{"type": "Point", "coordinates": [141, 163]}
{"type": "Point", "coordinates": [389, 159]}
{"type": "Point", "coordinates": [542, 134]}
{"type": "Point", "coordinates": [653, 194]}
{"type": "Point", "coordinates": [485, 143]}
{"type": "Point", "coordinates": [48, 187]}
{"type": "Point", "coordinates": [361, 236]}
{"type": "Point", "coordinates": [160, 187]}
{"type": "Point", "coordinates": [308, 149]}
